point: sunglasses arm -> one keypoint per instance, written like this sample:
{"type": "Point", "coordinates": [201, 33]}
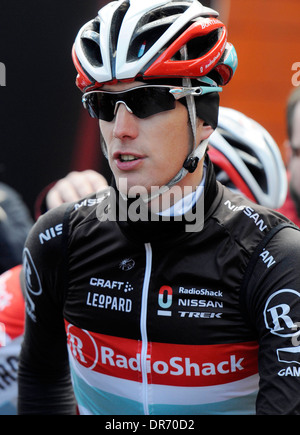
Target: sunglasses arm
{"type": "Point", "coordinates": [195, 92]}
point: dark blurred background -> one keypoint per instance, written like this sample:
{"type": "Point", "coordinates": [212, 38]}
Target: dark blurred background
{"type": "Point", "coordinates": [40, 107]}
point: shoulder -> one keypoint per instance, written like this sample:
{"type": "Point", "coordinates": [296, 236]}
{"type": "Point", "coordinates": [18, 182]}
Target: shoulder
{"type": "Point", "coordinates": [90, 211]}
{"type": "Point", "coordinates": [49, 225]}
{"type": "Point", "coordinates": [245, 221]}
{"type": "Point", "coordinates": [70, 220]}
{"type": "Point", "coordinates": [235, 211]}
{"type": "Point", "coordinates": [286, 243]}
{"type": "Point", "coordinates": [69, 215]}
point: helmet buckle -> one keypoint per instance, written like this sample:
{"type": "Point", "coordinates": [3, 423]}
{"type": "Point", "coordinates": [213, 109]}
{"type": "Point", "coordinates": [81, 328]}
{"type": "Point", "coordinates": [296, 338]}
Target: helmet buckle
{"type": "Point", "coordinates": [191, 164]}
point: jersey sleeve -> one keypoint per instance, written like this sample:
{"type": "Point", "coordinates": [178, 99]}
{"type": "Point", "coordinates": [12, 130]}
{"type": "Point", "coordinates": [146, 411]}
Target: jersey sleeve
{"type": "Point", "coordinates": [272, 305]}
{"type": "Point", "coordinates": [44, 378]}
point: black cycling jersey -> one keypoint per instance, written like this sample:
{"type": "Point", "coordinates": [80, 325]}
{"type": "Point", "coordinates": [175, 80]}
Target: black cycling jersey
{"type": "Point", "coordinates": [155, 319]}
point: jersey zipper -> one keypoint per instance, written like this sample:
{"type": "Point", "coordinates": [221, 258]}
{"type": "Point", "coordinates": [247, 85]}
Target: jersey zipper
{"type": "Point", "coordinates": [143, 326]}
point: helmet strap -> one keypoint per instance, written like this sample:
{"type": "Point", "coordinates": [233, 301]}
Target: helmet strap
{"type": "Point", "coordinates": [198, 152]}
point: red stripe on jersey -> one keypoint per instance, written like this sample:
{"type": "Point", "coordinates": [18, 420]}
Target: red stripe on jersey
{"type": "Point", "coordinates": [166, 364]}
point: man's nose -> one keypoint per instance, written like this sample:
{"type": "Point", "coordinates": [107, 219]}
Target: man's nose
{"type": "Point", "coordinates": [125, 123]}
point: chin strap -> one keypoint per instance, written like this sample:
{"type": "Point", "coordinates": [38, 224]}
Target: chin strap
{"type": "Point", "coordinates": [198, 151]}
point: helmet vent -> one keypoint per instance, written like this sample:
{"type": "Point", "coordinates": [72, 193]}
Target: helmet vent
{"type": "Point", "coordinates": [116, 23]}
{"type": "Point", "coordinates": [200, 46]}
{"type": "Point", "coordinates": [152, 26]}
{"type": "Point", "coordinates": [90, 42]}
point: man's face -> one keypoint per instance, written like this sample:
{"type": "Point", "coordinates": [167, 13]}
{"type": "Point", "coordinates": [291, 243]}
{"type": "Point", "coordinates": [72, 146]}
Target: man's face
{"type": "Point", "coordinates": [147, 152]}
{"type": "Point", "coordinates": [294, 165]}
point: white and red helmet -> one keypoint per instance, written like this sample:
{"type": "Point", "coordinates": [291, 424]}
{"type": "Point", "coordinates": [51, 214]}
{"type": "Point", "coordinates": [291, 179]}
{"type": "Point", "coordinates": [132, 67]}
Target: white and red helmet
{"type": "Point", "coordinates": [163, 40]}
{"type": "Point", "coordinates": [246, 158]}
{"type": "Point", "coordinates": [143, 39]}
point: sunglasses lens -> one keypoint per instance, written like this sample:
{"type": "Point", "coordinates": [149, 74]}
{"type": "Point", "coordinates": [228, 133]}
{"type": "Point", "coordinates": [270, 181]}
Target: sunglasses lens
{"type": "Point", "coordinates": [153, 100]}
{"type": "Point", "coordinates": [143, 101]}
{"type": "Point", "coordinates": [100, 105]}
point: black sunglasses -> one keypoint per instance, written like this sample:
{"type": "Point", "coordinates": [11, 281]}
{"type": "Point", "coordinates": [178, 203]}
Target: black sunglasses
{"type": "Point", "coordinates": [142, 101]}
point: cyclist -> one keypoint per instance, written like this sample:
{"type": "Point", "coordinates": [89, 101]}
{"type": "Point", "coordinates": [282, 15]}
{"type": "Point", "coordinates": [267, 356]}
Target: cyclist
{"type": "Point", "coordinates": [189, 307]}
{"type": "Point", "coordinates": [15, 223]}
{"type": "Point", "coordinates": [291, 208]}
{"type": "Point", "coordinates": [238, 157]}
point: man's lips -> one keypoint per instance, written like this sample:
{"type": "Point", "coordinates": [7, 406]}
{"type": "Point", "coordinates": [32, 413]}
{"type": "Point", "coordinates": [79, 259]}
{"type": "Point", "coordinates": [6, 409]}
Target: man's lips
{"type": "Point", "coordinates": [127, 161]}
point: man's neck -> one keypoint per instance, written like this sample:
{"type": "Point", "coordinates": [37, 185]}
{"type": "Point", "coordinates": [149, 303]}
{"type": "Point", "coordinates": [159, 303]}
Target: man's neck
{"type": "Point", "coordinates": [177, 193]}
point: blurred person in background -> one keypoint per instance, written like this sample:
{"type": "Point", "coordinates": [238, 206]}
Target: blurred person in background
{"type": "Point", "coordinates": [291, 208]}
{"type": "Point", "coordinates": [15, 223]}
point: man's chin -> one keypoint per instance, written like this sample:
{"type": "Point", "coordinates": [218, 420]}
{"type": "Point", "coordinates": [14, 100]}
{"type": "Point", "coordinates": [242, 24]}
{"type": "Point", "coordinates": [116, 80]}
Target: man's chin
{"type": "Point", "coordinates": [131, 188]}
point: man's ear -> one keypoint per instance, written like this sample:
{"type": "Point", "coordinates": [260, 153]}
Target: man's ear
{"type": "Point", "coordinates": [206, 131]}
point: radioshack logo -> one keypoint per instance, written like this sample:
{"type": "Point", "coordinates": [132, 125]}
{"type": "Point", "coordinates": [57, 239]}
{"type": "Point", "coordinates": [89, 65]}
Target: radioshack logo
{"type": "Point", "coordinates": [174, 366]}
{"type": "Point", "coordinates": [177, 364]}
{"type": "Point", "coordinates": [165, 298]}
{"type": "Point", "coordinates": [281, 317]}
{"type": "Point", "coordinates": [281, 313]}
{"type": "Point", "coordinates": [82, 347]}
{"type": "Point", "coordinates": [184, 305]}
